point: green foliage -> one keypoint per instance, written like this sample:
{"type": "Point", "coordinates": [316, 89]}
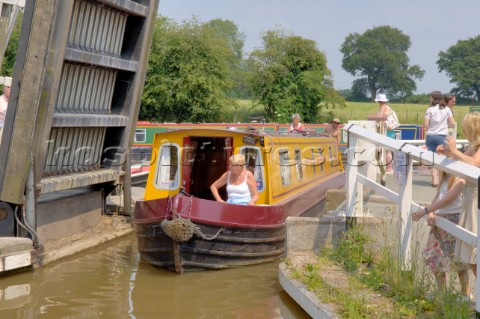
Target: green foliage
{"type": "Point", "coordinates": [188, 73]}
{"type": "Point", "coordinates": [383, 272]}
{"type": "Point", "coordinates": [378, 57]}
{"type": "Point", "coordinates": [8, 61]}
{"type": "Point", "coordinates": [461, 62]}
{"type": "Point", "coordinates": [229, 30]}
{"type": "Point", "coordinates": [351, 251]}
{"type": "Point", "coordinates": [290, 75]}
{"type": "Point", "coordinates": [352, 305]}
{"type": "Point", "coordinates": [239, 71]}
{"type": "Point", "coordinates": [416, 99]}
{"type": "Point", "coordinates": [246, 111]}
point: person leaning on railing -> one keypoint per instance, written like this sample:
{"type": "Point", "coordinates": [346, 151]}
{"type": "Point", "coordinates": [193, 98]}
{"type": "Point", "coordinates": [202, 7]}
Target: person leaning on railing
{"type": "Point", "coordinates": [465, 253]}
{"type": "Point", "coordinates": [440, 248]}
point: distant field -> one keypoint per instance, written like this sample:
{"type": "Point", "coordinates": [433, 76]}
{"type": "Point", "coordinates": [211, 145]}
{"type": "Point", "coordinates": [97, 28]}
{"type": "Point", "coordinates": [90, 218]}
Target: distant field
{"type": "Point", "coordinates": [407, 113]}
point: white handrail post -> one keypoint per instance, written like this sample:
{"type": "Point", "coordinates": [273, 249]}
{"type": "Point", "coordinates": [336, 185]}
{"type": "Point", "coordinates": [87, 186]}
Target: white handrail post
{"type": "Point", "coordinates": [352, 171]}
{"type": "Point", "coordinates": [405, 206]}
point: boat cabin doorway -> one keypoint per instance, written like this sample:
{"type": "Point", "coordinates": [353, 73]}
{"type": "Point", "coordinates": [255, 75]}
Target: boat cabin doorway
{"type": "Point", "coordinates": [205, 159]}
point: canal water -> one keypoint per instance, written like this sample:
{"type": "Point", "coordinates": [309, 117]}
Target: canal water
{"type": "Point", "coordinates": [111, 282]}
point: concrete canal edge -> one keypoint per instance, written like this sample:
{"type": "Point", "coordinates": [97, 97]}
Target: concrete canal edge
{"type": "Point", "coordinates": [109, 227]}
{"type": "Point", "coordinates": [87, 240]}
{"type": "Point", "coordinates": [15, 253]}
{"type": "Point", "coordinates": [68, 237]}
{"type": "Point", "coordinates": [305, 236]}
{"type": "Point", "coordinates": [305, 298]}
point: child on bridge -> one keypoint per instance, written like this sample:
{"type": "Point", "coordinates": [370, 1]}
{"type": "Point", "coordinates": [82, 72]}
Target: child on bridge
{"type": "Point", "coordinates": [440, 248]}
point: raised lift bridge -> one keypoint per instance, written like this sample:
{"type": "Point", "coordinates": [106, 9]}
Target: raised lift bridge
{"type": "Point", "coordinates": [75, 97]}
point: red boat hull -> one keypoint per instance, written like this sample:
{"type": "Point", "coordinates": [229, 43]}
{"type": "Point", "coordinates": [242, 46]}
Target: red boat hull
{"type": "Point", "coordinates": [235, 235]}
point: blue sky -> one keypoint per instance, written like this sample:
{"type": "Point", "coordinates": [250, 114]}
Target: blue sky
{"type": "Point", "coordinates": [432, 25]}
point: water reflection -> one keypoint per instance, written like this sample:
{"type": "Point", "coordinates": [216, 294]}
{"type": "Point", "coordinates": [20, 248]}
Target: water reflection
{"type": "Point", "coordinates": [111, 282]}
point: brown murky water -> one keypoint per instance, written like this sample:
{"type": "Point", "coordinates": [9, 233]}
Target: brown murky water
{"type": "Point", "coordinates": [111, 282]}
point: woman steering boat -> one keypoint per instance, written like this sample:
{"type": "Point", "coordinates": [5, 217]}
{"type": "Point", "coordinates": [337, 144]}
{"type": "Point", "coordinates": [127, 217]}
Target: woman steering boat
{"type": "Point", "coordinates": [241, 185]}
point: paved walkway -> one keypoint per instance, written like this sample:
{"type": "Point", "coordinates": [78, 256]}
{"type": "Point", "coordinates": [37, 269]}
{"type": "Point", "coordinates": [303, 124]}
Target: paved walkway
{"type": "Point", "coordinates": [422, 189]}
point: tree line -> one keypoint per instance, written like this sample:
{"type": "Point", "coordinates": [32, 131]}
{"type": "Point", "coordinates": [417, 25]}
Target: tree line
{"type": "Point", "coordinates": [198, 71]}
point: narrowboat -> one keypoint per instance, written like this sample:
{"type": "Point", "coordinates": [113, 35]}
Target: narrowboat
{"type": "Point", "coordinates": [181, 227]}
{"type": "Point", "coordinates": [145, 131]}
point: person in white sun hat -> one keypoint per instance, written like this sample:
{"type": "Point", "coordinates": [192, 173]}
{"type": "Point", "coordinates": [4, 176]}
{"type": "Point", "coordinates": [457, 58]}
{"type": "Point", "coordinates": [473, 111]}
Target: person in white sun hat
{"type": "Point", "coordinates": [386, 118]}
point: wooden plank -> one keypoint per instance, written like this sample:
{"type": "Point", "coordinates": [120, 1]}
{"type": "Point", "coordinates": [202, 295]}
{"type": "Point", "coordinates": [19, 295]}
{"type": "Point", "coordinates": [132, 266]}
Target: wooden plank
{"type": "Point", "coordinates": [28, 110]}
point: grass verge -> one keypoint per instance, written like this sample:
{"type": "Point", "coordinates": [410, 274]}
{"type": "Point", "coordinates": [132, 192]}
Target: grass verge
{"type": "Point", "coordinates": [375, 285]}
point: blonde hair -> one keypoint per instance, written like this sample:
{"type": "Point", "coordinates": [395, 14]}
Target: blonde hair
{"type": "Point", "coordinates": [451, 180]}
{"type": "Point", "coordinates": [237, 159]}
{"type": "Point", "coordinates": [470, 124]}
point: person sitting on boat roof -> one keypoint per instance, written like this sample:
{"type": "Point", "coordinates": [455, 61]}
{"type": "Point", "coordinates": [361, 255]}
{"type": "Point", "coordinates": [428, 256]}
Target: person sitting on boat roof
{"type": "Point", "coordinates": [296, 126]}
{"type": "Point", "coordinates": [241, 184]}
{"type": "Point", "coordinates": [333, 130]}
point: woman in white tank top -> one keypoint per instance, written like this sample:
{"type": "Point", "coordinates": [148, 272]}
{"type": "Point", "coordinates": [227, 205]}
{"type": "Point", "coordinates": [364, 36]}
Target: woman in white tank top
{"type": "Point", "coordinates": [241, 184]}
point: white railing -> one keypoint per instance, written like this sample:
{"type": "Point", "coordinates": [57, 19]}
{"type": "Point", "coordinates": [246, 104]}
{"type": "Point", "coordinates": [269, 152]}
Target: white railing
{"type": "Point", "coordinates": [361, 169]}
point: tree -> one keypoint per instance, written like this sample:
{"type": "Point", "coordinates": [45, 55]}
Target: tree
{"type": "Point", "coordinates": [188, 73]}
{"type": "Point", "coordinates": [11, 50]}
{"type": "Point", "coordinates": [461, 62]}
{"type": "Point", "coordinates": [379, 58]}
{"type": "Point", "coordinates": [236, 41]}
{"type": "Point", "coordinates": [289, 75]}
{"type": "Point", "coordinates": [229, 30]}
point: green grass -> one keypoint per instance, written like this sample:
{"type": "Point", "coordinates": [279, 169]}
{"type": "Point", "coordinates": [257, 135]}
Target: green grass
{"type": "Point", "coordinates": [407, 113]}
{"type": "Point", "coordinates": [382, 272]}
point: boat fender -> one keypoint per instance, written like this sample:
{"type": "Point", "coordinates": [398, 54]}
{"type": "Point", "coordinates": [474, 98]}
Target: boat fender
{"type": "Point", "coordinates": [179, 229]}
{"type": "Point", "coordinates": [182, 230]}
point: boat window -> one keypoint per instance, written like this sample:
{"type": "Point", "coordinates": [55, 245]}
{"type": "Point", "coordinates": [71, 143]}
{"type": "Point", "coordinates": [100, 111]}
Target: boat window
{"type": "Point", "coordinates": [140, 136]}
{"type": "Point", "coordinates": [140, 155]}
{"type": "Point", "coordinates": [167, 167]}
{"type": "Point", "coordinates": [284, 167]}
{"type": "Point", "coordinates": [298, 165]}
{"type": "Point", "coordinates": [254, 163]}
